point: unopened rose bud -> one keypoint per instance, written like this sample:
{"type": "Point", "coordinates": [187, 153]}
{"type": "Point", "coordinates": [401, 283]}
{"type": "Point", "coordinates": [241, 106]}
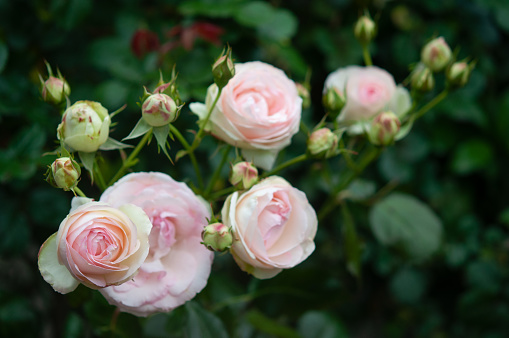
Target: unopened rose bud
{"type": "Point", "coordinates": [244, 175]}
{"type": "Point", "coordinates": [322, 143]}
{"type": "Point", "coordinates": [365, 29]}
{"type": "Point", "coordinates": [54, 90]}
{"type": "Point", "coordinates": [384, 129]}
{"type": "Point", "coordinates": [64, 173]}
{"type": "Point", "coordinates": [223, 69]}
{"type": "Point", "coordinates": [159, 110]}
{"type": "Point", "coordinates": [304, 94]}
{"type": "Point", "coordinates": [436, 54]}
{"type": "Point", "coordinates": [459, 73]}
{"type": "Point", "coordinates": [422, 79]}
{"type": "Point", "coordinates": [333, 101]}
{"type": "Point", "coordinates": [85, 126]}
{"type": "Point", "coordinates": [217, 237]}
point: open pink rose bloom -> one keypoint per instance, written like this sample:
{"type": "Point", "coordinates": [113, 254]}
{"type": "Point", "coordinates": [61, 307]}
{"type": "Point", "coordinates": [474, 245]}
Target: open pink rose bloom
{"type": "Point", "coordinates": [177, 266]}
{"type": "Point", "coordinates": [274, 227]}
{"type": "Point", "coordinates": [259, 111]}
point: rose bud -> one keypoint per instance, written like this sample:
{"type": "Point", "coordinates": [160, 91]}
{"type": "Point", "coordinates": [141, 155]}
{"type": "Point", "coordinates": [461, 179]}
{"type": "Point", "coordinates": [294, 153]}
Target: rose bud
{"type": "Point", "coordinates": [217, 237]}
{"type": "Point", "coordinates": [384, 129]}
{"type": "Point", "coordinates": [159, 110]}
{"type": "Point", "coordinates": [436, 54]}
{"type": "Point", "coordinates": [54, 90]}
{"type": "Point", "coordinates": [223, 69]}
{"type": "Point", "coordinates": [85, 126]}
{"type": "Point", "coordinates": [365, 29]}
{"type": "Point", "coordinates": [64, 173]}
{"type": "Point", "coordinates": [244, 175]}
{"type": "Point", "coordinates": [322, 143]}
{"type": "Point", "coordinates": [459, 73]}
{"type": "Point", "coordinates": [333, 101]}
{"type": "Point", "coordinates": [422, 78]}
{"type": "Point", "coordinates": [304, 94]}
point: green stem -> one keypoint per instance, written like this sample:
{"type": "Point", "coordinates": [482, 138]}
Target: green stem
{"type": "Point", "coordinates": [436, 100]}
{"type": "Point", "coordinates": [217, 172]}
{"type": "Point", "coordinates": [366, 55]}
{"type": "Point", "coordinates": [187, 147]}
{"type": "Point", "coordinates": [368, 157]}
{"type": "Point", "coordinates": [201, 131]}
{"type": "Point", "coordinates": [79, 192]}
{"type": "Point", "coordinates": [223, 192]}
{"type": "Point", "coordinates": [286, 164]}
{"type": "Point", "coordinates": [98, 174]}
{"type": "Point", "coordinates": [130, 161]}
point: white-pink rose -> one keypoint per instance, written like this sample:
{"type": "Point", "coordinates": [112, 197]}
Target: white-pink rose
{"type": "Point", "coordinates": [368, 91]}
{"type": "Point", "coordinates": [177, 266]}
{"type": "Point", "coordinates": [273, 225]}
{"type": "Point", "coordinates": [259, 111]}
{"type": "Point", "coordinates": [96, 245]}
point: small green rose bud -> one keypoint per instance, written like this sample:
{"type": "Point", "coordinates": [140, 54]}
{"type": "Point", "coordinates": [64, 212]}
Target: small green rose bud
{"type": "Point", "coordinates": [459, 73]}
{"type": "Point", "coordinates": [85, 126]}
{"type": "Point", "coordinates": [384, 128]}
{"type": "Point", "coordinates": [365, 29]}
{"type": "Point", "coordinates": [322, 143]}
{"type": "Point", "coordinates": [64, 173]}
{"type": "Point", "coordinates": [422, 78]}
{"type": "Point", "coordinates": [333, 101]}
{"type": "Point", "coordinates": [159, 110]}
{"type": "Point", "coordinates": [217, 237]}
{"type": "Point", "coordinates": [244, 175]}
{"type": "Point", "coordinates": [223, 69]}
{"type": "Point", "coordinates": [436, 54]}
{"type": "Point", "coordinates": [304, 94]}
{"type": "Point", "coordinates": [54, 90]}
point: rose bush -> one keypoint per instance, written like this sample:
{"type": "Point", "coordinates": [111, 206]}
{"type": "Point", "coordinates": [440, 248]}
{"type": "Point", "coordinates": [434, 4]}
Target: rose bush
{"type": "Point", "coordinates": [274, 227]}
{"type": "Point", "coordinates": [368, 91]}
{"type": "Point", "coordinates": [96, 245]}
{"type": "Point", "coordinates": [259, 111]}
{"type": "Point", "coordinates": [177, 266]}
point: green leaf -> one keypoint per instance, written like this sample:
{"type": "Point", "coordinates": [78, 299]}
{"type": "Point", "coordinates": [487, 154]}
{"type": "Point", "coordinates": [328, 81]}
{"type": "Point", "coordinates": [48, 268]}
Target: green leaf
{"type": "Point", "coordinates": [203, 324]}
{"type": "Point", "coordinates": [161, 134]}
{"type": "Point", "coordinates": [87, 159]}
{"type": "Point", "coordinates": [269, 325]}
{"type": "Point", "coordinates": [255, 14]}
{"type": "Point", "coordinates": [402, 220]}
{"type": "Point", "coordinates": [112, 144]}
{"type": "Point", "coordinates": [320, 324]}
{"type": "Point", "coordinates": [472, 156]}
{"type": "Point", "coordinates": [141, 128]}
{"type": "Point", "coordinates": [282, 25]}
{"type": "Point", "coordinates": [408, 285]}
{"type": "Point", "coordinates": [359, 190]}
{"type": "Point", "coordinates": [353, 246]}
{"type": "Point", "coordinates": [210, 8]}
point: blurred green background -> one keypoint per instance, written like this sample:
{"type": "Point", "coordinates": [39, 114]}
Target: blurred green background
{"type": "Point", "coordinates": [455, 161]}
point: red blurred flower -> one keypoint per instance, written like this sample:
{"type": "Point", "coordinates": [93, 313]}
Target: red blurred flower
{"type": "Point", "coordinates": [143, 42]}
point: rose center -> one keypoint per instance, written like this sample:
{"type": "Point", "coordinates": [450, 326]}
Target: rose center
{"type": "Point", "coordinates": [162, 236]}
{"type": "Point", "coordinates": [274, 217]}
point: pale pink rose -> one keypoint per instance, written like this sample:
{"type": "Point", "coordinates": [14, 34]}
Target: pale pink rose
{"type": "Point", "coordinates": [259, 111]}
{"type": "Point", "coordinates": [177, 266]}
{"type": "Point", "coordinates": [368, 91]}
{"type": "Point", "coordinates": [273, 225]}
{"type": "Point", "coordinates": [96, 245]}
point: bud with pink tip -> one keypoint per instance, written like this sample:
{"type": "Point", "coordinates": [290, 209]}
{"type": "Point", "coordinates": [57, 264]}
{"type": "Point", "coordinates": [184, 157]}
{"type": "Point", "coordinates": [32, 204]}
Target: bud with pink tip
{"type": "Point", "coordinates": [303, 92]}
{"type": "Point", "coordinates": [384, 129]}
{"type": "Point", "coordinates": [217, 237]}
{"type": "Point", "coordinates": [244, 175]}
{"type": "Point", "coordinates": [223, 69]}
{"type": "Point", "coordinates": [459, 73]}
{"type": "Point", "coordinates": [422, 78]}
{"type": "Point", "coordinates": [323, 143]}
{"type": "Point", "coordinates": [436, 54]}
{"type": "Point", "coordinates": [333, 101]}
{"type": "Point", "coordinates": [159, 110]}
{"type": "Point", "coordinates": [54, 90]}
{"type": "Point", "coordinates": [63, 173]}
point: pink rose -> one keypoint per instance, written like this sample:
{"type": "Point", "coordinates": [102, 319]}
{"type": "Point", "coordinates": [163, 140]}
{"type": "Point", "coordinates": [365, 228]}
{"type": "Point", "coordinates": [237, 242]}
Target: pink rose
{"type": "Point", "coordinates": [177, 266]}
{"type": "Point", "coordinates": [97, 245]}
{"type": "Point", "coordinates": [259, 111]}
{"type": "Point", "coordinates": [368, 91]}
{"type": "Point", "coordinates": [273, 225]}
